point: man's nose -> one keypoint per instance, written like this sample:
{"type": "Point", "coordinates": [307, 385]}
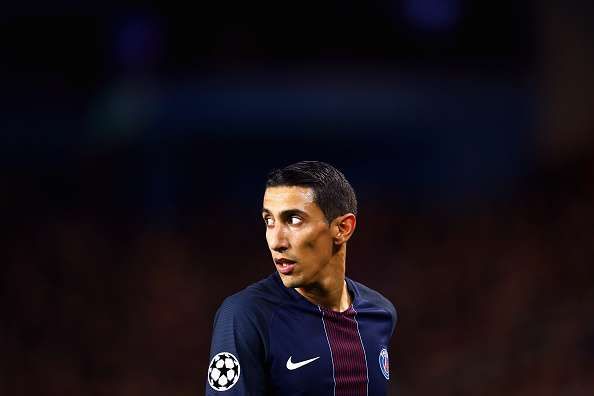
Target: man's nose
{"type": "Point", "coordinates": [278, 239]}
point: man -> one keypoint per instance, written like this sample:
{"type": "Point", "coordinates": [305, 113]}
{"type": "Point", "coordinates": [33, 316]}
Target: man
{"type": "Point", "coordinates": [306, 329]}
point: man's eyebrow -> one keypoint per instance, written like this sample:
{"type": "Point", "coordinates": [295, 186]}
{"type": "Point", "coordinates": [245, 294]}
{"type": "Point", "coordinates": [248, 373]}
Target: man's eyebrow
{"type": "Point", "coordinates": [287, 212]}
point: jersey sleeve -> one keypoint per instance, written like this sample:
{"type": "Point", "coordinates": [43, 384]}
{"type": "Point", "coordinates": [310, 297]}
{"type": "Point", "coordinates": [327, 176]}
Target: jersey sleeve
{"type": "Point", "coordinates": [238, 350]}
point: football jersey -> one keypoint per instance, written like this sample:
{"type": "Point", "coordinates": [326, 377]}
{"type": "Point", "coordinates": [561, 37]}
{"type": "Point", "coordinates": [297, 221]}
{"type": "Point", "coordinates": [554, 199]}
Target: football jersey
{"type": "Point", "coordinates": [269, 340]}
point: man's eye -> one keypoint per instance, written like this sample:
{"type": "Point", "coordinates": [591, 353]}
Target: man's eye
{"type": "Point", "coordinates": [268, 221]}
{"type": "Point", "coordinates": [295, 220]}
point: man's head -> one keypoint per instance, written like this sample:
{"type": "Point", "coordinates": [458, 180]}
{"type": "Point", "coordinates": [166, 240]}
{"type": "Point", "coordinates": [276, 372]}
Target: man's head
{"type": "Point", "coordinates": [309, 211]}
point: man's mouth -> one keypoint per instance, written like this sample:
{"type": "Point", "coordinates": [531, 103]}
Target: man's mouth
{"type": "Point", "coordinates": [284, 266]}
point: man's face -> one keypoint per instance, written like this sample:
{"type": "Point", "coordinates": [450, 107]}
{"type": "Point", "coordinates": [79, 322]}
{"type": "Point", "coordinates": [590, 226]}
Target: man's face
{"type": "Point", "coordinates": [298, 236]}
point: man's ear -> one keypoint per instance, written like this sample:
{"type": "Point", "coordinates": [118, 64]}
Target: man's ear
{"type": "Point", "coordinates": [344, 226]}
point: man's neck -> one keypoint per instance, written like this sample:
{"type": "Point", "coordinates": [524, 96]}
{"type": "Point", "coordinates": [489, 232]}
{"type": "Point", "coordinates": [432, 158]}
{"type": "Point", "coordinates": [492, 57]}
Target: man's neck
{"type": "Point", "coordinates": [331, 291]}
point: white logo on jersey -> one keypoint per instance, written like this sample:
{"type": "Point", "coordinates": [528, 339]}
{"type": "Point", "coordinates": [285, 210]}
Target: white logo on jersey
{"type": "Point", "coordinates": [293, 366]}
{"type": "Point", "coordinates": [223, 371]}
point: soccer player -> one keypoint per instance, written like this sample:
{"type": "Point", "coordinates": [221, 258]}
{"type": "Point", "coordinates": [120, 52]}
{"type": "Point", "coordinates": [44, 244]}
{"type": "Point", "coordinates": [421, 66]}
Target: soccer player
{"type": "Point", "coordinates": [306, 329]}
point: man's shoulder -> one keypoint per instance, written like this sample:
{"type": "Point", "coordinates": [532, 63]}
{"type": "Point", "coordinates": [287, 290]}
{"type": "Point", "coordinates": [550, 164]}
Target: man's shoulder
{"type": "Point", "coordinates": [259, 298]}
{"type": "Point", "coordinates": [374, 298]}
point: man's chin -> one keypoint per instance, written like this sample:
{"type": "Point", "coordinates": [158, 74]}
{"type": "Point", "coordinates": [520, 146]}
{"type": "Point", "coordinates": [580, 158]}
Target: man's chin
{"type": "Point", "coordinates": [290, 280]}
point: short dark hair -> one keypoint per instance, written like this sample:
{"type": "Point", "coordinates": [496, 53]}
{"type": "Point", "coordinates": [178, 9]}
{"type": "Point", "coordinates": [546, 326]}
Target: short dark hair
{"type": "Point", "coordinates": [332, 191]}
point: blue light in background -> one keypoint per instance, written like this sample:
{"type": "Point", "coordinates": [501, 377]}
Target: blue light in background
{"type": "Point", "coordinates": [139, 42]}
{"type": "Point", "coordinates": [433, 15]}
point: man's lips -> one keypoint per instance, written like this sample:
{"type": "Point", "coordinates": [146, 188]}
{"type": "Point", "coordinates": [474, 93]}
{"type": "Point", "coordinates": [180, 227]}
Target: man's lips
{"type": "Point", "coordinates": [284, 266]}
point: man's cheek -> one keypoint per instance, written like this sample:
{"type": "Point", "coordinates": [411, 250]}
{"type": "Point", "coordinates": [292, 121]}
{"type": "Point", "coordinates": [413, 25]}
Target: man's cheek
{"type": "Point", "coordinates": [311, 244]}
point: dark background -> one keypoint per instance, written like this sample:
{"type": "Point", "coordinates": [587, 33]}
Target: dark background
{"type": "Point", "coordinates": [135, 143]}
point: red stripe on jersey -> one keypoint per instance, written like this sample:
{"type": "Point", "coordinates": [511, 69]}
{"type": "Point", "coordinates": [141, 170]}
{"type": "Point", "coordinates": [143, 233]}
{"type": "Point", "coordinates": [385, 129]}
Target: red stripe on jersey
{"type": "Point", "coordinates": [348, 356]}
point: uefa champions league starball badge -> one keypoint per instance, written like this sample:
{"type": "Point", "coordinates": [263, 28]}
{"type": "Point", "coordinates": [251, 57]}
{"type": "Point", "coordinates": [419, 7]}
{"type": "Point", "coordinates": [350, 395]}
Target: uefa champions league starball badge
{"type": "Point", "coordinates": [223, 371]}
{"type": "Point", "coordinates": [384, 363]}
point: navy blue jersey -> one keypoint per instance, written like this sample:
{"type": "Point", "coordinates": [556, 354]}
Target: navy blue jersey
{"type": "Point", "coordinates": [269, 340]}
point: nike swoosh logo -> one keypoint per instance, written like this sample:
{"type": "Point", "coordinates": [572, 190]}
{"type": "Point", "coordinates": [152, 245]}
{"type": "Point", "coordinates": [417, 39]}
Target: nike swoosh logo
{"type": "Point", "coordinates": [293, 366]}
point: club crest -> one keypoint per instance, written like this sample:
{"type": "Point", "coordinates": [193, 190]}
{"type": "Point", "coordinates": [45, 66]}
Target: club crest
{"type": "Point", "coordinates": [384, 363]}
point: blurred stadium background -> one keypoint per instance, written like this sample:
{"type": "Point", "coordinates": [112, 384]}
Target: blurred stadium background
{"type": "Point", "coordinates": [135, 146]}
